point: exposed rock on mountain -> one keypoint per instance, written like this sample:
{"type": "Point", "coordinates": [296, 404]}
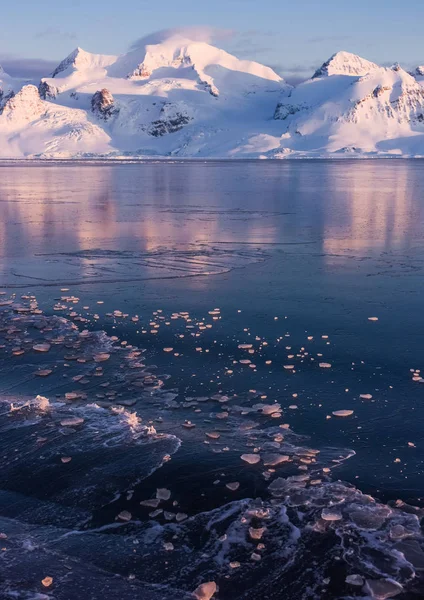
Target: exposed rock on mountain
{"type": "Point", "coordinates": [173, 117]}
{"type": "Point", "coordinates": [47, 91]}
{"type": "Point", "coordinates": [6, 87]}
{"type": "Point", "coordinates": [103, 105]}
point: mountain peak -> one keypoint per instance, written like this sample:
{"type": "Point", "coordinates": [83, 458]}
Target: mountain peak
{"type": "Point", "coordinates": [81, 60]}
{"type": "Point", "coordinates": [177, 56]}
{"type": "Point", "coordinates": [345, 63]}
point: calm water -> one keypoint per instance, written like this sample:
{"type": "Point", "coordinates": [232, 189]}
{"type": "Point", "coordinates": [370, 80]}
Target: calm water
{"type": "Point", "coordinates": [290, 257]}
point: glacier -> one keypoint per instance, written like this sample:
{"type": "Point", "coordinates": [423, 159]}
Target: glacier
{"type": "Point", "coordinates": [184, 98]}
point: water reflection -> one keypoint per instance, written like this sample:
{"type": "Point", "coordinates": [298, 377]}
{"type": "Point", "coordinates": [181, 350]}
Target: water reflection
{"type": "Point", "coordinates": [378, 208]}
{"type": "Point", "coordinates": [328, 207]}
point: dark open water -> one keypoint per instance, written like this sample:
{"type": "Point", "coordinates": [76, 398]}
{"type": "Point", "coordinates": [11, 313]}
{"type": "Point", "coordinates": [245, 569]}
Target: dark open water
{"type": "Point", "coordinates": [292, 258]}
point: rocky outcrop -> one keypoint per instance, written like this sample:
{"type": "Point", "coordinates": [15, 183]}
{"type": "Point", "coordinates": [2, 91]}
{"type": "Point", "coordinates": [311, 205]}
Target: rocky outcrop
{"type": "Point", "coordinates": [4, 97]}
{"type": "Point", "coordinates": [173, 117]}
{"type": "Point", "coordinates": [47, 91]}
{"type": "Point", "coordinates": [285, 110]}
{"type": "Point", "coordinates": [103, 105]}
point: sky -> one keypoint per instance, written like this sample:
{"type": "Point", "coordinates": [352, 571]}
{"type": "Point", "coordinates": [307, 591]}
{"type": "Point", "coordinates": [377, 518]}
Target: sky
{"type": "Point", "coordinates": [292, 36]}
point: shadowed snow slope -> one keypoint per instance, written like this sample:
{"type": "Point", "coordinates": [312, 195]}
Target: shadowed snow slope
{"type": "Point", "coordinates": [186, 98]}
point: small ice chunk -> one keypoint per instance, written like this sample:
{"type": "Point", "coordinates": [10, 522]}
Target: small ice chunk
{"type": "Point", "coordinates": [256, 534]}
{"type": "Point", "coordinates": [180, 517]}
{"type": "Point", "coordinates": [252, 459]}
{"type": "Point", "coordinates": [213, 435]}
{"type": "Point", "coordinates": [124, 515]}
{"type": "Point", "coordinates": [272, 460]}
{"type": "Point", "coordinates": [355, 580]}
{"type": "Point", "coordinates": [383, 588]}
{"type": "Point", "coordinates": [324, 365]}
{"type": "Point", "coordinates": [205, 591]}
{"type": "Point", "coordinates": [72, 421]}
{"type": "Point", "coordinates": [41, 347]}
{"type": "Point", "coordinates": [43, 372]}
{"type": "Point", "coordinates": [163, 494]}
{"type": "Point", "coordinates": [168, 546]}
{"type": "Point", "coordinates": [342, 413]}
{"type": "Point", "coordinates": [365, 396]}
{"type": "Point", "coordinates": [153, 503]}
{"type": "Point", "coordinates": [233, 486]}
{"type": "Point", "coordinates": [101, 357]}
{"type": "Point", "coordinates": [47, 581]}
{"type": "Point", "coordinates": [329, 514]}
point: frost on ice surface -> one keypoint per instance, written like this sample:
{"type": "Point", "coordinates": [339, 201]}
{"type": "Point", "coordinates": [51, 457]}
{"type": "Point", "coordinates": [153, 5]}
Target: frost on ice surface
{"type": "Point", "coordinates": [113, 509]}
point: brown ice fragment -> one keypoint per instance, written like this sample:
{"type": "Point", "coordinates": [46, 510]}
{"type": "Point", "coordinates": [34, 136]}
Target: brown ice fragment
{"type": "Point", "coordinates": [205, 591]}
{"type": "Point", "coordinates": [101, 357]}
{"type": "Point", "coordinates": [256, 534]}
{"type": "Point", "coordinates": [72, 421]}
{"type": "Point", "coordinates": [47, 581]}
{"type": "Point", "coordinates": [252, 459]}
{"type": "Point", "coordinates": [329, 514]}
{"type": "Point", "coordinates": [43, 372]}
{"type": "Point", "coordinates": [342, 413]}
{"type": "Point", "coordinates": [41, 347]}
{"type": "Point", "coordinates": [272, 460]}
{"type": "Point", "coordinates": [213, 435]}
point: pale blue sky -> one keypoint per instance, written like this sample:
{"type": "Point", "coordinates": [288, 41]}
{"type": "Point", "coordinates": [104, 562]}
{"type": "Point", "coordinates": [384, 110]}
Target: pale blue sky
{"type": "Point", "coordinates": [293, 36]}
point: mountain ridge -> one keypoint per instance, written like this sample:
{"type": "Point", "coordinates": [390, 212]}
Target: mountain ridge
{"type": "Point", "coordinates": [180, 97]}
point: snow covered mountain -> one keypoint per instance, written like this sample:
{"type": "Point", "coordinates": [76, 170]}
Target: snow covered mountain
{"type": "Point", "coordinates": [185, 98]}
{"type": "Point", "coordinates": [353, 106]}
